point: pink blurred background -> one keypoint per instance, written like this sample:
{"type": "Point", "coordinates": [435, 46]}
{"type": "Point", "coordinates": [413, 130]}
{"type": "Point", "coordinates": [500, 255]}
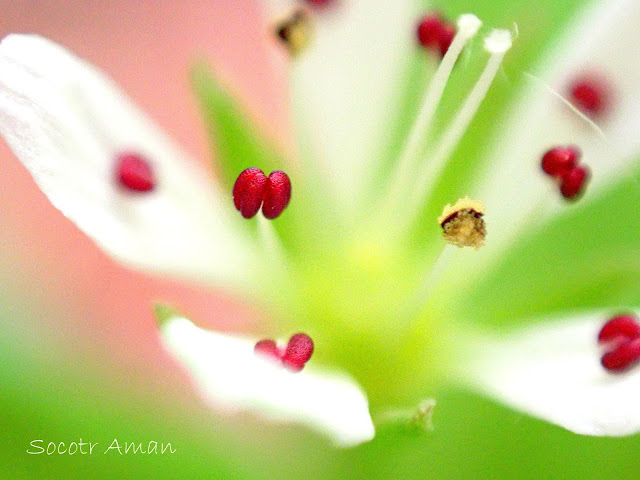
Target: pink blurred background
{"type": "Point", "coordinates": [56, 275]}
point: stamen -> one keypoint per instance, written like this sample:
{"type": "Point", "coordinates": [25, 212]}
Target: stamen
{"type": "Point", "coordinates": [621, 336]}
{"type": "Point", "coordinates": [623, 357]}
{"type": "Point", "coordinates": [462, 224]}
{"type": "Point", "coordinates": [298, 352]}
{"type": "Point", "coordinates": [497, 43]}
{"type": "Point", "coordinates": [560, 160]}
{"type": "Point", "coordinates": [621, 327]}
{"type": "Point", "coordinates": [248, 191]}
{"type": "Point", "coordinates": [277, 194]}
{"type": "Point", "coordinates": [253, 190]}
{"type": "Point", "coordinates": [572, 183]}
{"type": "Point", "coordinates": [429, 30]}
{"type": "Point", "coordinates": [134, 172]}
{"type": "Point", "coordinates": [435, 32]}
{"type": "Point", "coordinates": [295, 31]}
{"type": "Point", "coordinates": [422, 418]}
{"type": "Point", "coordinates": [468, 26]}
{"type": "Point", "coordinates": [268, 348]}
{"type": "Point", "coordinates": [561, 163]}
{"type": "Point", "coordinates": [590, 94]}
{"type": "Point", "coordinates": [417, 419]}
{"type": "Point", "coordinates": [319, 2]}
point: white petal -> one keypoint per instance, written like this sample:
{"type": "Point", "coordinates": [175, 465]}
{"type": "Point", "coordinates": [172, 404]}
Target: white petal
{"type": "Point", "coordinates": [552, 371]}
{"type": "Point", "coordinates": [604, 41]}
{"type": "Point", "coordinates": [230, 375]}
{"type": "Point", "coordinates": [66, 122]}
{"type": "Point", "coordinates": [346, 84]}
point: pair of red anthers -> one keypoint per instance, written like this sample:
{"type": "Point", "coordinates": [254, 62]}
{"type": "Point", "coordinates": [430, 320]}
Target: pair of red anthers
{"type": "Point", "coordinates": [562, 164]}
{"type": "Point", "coordinates": [294, 356]}
{"type": "Point", "coordinates": [435, 33]}
{"type": "Point", "coordinates": [253, 189]}
{"type": "Point", "coordinates": [620, 337]}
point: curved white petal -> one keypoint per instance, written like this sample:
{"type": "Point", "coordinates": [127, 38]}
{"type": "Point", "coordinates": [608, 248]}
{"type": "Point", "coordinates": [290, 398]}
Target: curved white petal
{"type": "Point", "coordinates": [552, 371]}
{"type": "Point", "coordinates": [605, 41]}
{"type": "Point", "coordinates": [230, 375]}
{"type": "Point", "coordinates": [66, 121]}
{"type": "Point", "coordinates": [346, 82]}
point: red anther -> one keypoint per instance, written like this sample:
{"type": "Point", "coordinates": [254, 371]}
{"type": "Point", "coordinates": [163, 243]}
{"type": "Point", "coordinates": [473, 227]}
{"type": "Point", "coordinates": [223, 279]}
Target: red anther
{"type": "Point", "coordinates": [319, 2]}
{"type": "Point", "coordinates": [248, 191]}
{"type": "Point", "coordinates": [267, 348]}
{"type": "Point", "coordinates": [620, 328]}
{"type": "Point", "coordinates": [621, 336]}
{"type": "Point", "coordinates": [447, 33]}
{"type": "Point", "coordinates": [276, 194]}
{"type": "Point", "coordinates": [590, 94]}
{"type": "Point", "coordinates": [134, 172]}
{"type": "Point", "coordinates": [560, 160]}
{"type": "Point", "coordinates": [298, 352]}
{"type": "Point", "coordinates": [429, 30]}
{"type": "Point", "coordinates": [572, 183]}
{"type": "Point", "coordinates": [436, 33]}
{"type": "Point", "coordinates": [624, 356]}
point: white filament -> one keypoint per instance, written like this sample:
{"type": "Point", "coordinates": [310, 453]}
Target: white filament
{"type": "Point", "coordinates": [432, 276]}
{"type": "Point", "coordinates": [573, 109]}
{"type": "Point", "coordinates": [468, 26]}
{"type": "Point", "coordinates": [271, 244]}
{"type": "Point", "coordinates": [497, 43]}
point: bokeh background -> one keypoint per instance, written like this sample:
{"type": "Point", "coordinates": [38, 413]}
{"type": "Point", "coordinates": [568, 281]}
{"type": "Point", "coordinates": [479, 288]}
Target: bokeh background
{"type": "Point", "coordinates": [79, 353]}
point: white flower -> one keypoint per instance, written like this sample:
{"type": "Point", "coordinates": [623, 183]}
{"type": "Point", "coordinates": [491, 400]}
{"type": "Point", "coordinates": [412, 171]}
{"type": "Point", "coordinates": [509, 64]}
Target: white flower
{"type": "Point", "coordinates": [393, 308]}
